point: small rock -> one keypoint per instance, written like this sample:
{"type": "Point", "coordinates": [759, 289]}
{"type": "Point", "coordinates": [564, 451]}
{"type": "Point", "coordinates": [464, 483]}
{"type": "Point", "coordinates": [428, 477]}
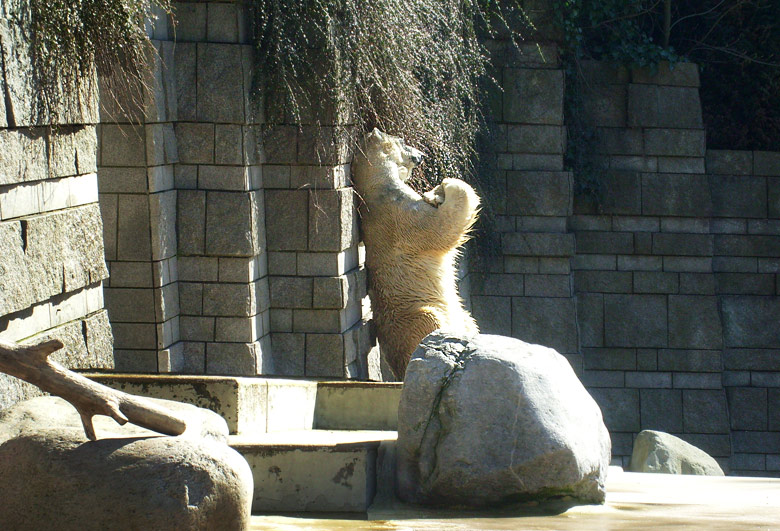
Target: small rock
{"type": "Point", "coordinates": [486, 420]}
{"type": "Point", "coordinates": [656, 451]}
{"type": "Point", "coordinates": [51, 476]}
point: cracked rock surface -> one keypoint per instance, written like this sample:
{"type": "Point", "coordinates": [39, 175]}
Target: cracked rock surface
{"type": "Point", "coordinates": [489, 420]}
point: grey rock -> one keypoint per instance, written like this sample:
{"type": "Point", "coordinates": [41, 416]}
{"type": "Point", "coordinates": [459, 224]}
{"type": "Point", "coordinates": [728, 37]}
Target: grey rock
{"type": "Point", "coordinates": [128, 479]}
{"type": "Point", "coordinates": [659, 452]}
{"type": "Point", "coordinates": [490, 419]}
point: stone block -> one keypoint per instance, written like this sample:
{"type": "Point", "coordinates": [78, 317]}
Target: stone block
{"type": "Point", "coordinates": [191, 298]}
{"type": "Point", "coordinates": [245, 269]}
{"type": "Point", "coordinates": [620, 408]}
{"type": "Point", "coordinates": [664, 106]}
{"type": "Point", "coordinates": [239, 359]}
{"type": "Point", "coordinates": [538, 244]}
{"type": "Point", "coordinates": [675, 142]}
{"type": "Point", "coordinates": [647, 359]}
{"type": "Point", "coordinates": [329, 292]}
{"type": "Point", "coordinates": [649, 380]}
{"type": "Point", "coordinates": [548, 322]}
{"type": "Point", "coordinates": [282, 263]}
{"type": "Point", "coordinates": [231, 223]}
{"type": "Point", "coordinates": [239, 329]}
{"type": "Point", "coordinates": [603, 72]}
{"type": "Point", "coordinates": [533, 96]}
{"type": "Point", "coordinates": [705, 411]}
{"type": "Point", "coordinates": [604, 243]}
{"type": "Point", "coordinates": [191, 220]}
{"type": "Point", "coordinates": [220, 83]}
{"type": "Point", "coordinates": [135, 336]}
{"type": "Point", "coordinates": [162, 216]}
{"type": "Point", "coordinates": [554, 266]}
{"type": "Point", "coordinates": [537, 162]}
{"type": "Point", "coordinates": [540, 224]}
{"type": "Point", "coordinates": [729, 162]}
{"type": "Point", "coordinates": [280, 144]}
{"type": "Point", "coordinates": [497, 284]}
{"type": "Point", "coordinates": [291, 292]}
{"type": "Point", "coordinates": [735, 264]}
{"type": "Point", "coordinates": [747, 245]}
{"type": "Point", "coordinates": [324, 355]}
{"type": "Point", "coordinates": [592, 379]}
{"type": "Point", "coordinates": [676, 195]}
{"type": "Point", "coordinates": [543, 139]}
{"type": "Point", "coordinates": [319, 321]}
{"type": "Point", "coordinates": [289, 353]}
{"type": "Point", "coordinates": [728, 226]}
{"type": "Point", "coordinates": [332, 220]}
{"type": "Point", "coordinates": [639, 263]}
{"type": "Point", "coordinates": [222, 22]}
{"type": "Point", "coordinates": [286, 219]}
{"type": "Point", "coordinates": [635, 163]}
{"type": "Point", "coordinates": [773, 406]}
{"type": "Point", "coordinates": [604, 105]}
{"type": "Point", "coordinates": [326, 264]}
{"type": "Point", "coordinates": [745, 284]}
{"type": "Point", "coordinates": [194, 328]}
{"type": "Point", "coordinates": [229, 300]}
{"type": "Point", "coordinates": [602, 281]}
{"type": "Point", "coordinates": [612, 359]}
{"type": "Point", "coordinates": [697, 283]}
{"type": "Point", "coordinates": [661, 410]}
{"type": "Point", "coordinates": [635, 321]}
{"type": "Point", "coordinates": [228, 144]}
{"type": "Point", "coordinates": [619, 141]}
{"type": "Point", "coordinates": [656, 282]}
{"type": "Point", "coordinates": [24, 156]}
{"type": "Point", "coordinates": [133, 228]}
{"type": "Point", "coordinates": [539, 193]}
{"type": "Point", "coordinates": [689, 380]}
{"type": "Point", "coordinates": [682, 244]}
{"type": "Point", "coordinates": [195, 142]}
{"type": "Point", "coordinates": [690, 360]}
{"type": "Point", "coordinates": [738, 197]}
{"type": "Point", "coordinates": [766, 163]}
{"type": "Point", "coordinates": [322, 146]}
{"type": "Point", "coordinates": [749, 321]}
{"type": "Point", "coordinates": [122, 145]}
{"type": "Point", "coordinates": [548, 286]}
{"type": "Point", "coordinates": [686, 264]}
{"type": "Point", "coordinates": [590, 318]}
{"type": "Point", "coordinates": [135, 361]}
{"type": "Point", "coordinates": [758, 442]}
{"type": "Point", "coordinates": [680, 165]}
{"type": "Point", "coordinates": [493, 314]}
{"type": "Point", "coordinates": [677, 74]}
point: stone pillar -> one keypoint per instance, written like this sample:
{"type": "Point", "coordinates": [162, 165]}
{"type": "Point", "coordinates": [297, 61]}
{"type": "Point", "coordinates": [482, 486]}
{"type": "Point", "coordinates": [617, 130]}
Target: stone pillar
{"type": "Point", "coordinates": [317, 278]}
{"type": "Point", "coordinates": [223, 283]}
{"type": "Point", "coordinates": [51, 246]}
{"type": "Point", "coordinates": [138, 201]}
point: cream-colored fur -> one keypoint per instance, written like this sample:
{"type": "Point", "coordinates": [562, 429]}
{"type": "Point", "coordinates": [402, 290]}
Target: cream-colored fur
{"type": "Point", "coordinates": [412, 246]}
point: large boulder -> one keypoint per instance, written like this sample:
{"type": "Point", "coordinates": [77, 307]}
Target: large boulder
{"type": "Point", "coordinates": [51, 476]}
{"type": "Point", "coordinates": [487, 420]}
{"type": "Point", "coordinates": [656, 451]}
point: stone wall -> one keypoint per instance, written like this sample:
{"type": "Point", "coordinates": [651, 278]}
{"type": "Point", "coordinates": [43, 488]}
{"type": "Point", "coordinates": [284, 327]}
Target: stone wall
{"type": "Point", "coordinates": [51, 250]}
{"type": "Point", "coordinates": [673, 263]}
{"type": "Point", "coordinates": [231, 229]}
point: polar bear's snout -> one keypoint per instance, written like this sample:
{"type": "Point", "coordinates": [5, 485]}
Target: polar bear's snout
{"type": "Point", "coordinates": [416, 156]}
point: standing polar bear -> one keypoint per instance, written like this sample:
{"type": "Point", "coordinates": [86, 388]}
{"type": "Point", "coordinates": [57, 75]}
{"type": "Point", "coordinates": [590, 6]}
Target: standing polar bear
{"type": "Point", "coordinates": [412, 243]}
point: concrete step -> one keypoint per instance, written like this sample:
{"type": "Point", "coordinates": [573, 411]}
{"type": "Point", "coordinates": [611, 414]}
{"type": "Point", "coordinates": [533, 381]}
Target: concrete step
{"type": "Point", "coordinates": [248, 405]}
{"type": "Point", "coordinates": [330, 471]}
{"type": "Point", "coordinates": [252, 405]}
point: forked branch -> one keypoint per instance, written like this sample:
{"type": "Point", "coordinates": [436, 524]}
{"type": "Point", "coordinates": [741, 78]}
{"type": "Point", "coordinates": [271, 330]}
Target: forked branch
{"type": "Point", "coordinates": [31, 363]}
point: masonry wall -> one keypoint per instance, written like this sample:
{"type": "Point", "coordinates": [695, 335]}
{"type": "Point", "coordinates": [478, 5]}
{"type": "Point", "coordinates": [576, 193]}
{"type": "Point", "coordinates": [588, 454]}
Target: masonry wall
{"type": "Point", "coordinates": [51, 250]}
{"type": "Point", "coordinates": [231, 229]}
{"type": "Point", "coordinates": [661, 286]}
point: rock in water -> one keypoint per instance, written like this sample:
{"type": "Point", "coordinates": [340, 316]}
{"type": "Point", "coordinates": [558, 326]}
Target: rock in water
{"type": "Point", "coordinates": [488, 419]}
{"type": "Point", "coordinates": [52, 477]}
{"type": "Point", "coordinates": [656, 451]}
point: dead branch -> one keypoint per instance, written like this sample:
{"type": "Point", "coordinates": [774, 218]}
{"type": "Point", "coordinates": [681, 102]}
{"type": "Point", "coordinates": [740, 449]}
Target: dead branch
{"type": "Point", "coordinates": [31, 363]}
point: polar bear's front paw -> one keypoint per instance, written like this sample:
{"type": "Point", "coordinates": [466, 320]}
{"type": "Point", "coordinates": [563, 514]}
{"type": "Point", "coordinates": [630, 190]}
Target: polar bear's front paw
{"type": "Point", "coordinates": [434, 197]}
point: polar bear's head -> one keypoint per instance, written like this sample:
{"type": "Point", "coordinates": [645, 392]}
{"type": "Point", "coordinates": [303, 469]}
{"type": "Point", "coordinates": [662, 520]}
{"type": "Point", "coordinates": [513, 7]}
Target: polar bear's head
{"type": "Point", "coordinates": [384, 156]}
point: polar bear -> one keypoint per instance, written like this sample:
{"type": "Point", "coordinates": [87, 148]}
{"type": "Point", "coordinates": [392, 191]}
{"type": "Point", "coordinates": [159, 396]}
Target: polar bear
{"type": "Point", "coordinates": [412, 243]}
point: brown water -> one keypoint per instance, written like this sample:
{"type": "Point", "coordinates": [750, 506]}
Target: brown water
{"type": "Point", "coordinates": [634, 502]}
